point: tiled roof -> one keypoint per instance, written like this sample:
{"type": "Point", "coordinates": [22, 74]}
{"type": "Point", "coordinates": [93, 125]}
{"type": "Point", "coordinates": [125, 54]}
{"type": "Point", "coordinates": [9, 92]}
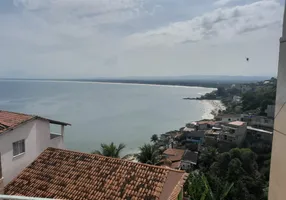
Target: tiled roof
{"type": "Point", "coordinates": [237, 123]}
{"type": "Point", "coordinates": [190, 156]}
{"type": "Point", "coordinates": [10, 120]}
{"type": "Point", "coordinates": [176, 165]}
{"type": "Point", "coordinates": [64, 174]}
{"type": "Point", "coordinates": [174, 154]}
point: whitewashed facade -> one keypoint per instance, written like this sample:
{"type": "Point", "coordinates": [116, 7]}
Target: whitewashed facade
{"type": "Point", "coordinates": [36, 136]}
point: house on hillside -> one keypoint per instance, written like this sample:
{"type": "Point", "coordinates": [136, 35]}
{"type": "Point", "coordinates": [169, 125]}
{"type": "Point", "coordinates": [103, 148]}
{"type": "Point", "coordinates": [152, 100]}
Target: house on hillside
{"type": "Point", "coordinates": [23, 138]}
{"type": "Point", "coordinates": [261, 122]}
{"type": "Point", "coordinates": [63, 174]}
{"type": "Point", "coordinates": [229, 117]}
{"type": "Point", "coordinates": [204, 124]}
{"type": "Point", "coordinates": [236, 99]}
{"type": "Point", "coordinates": [173, 157]}
{"type": "Point", "coordinates": [189, 160]}
{"type": "Point", "coordinates": [196, 137]}
{"type": "Point", "coordinates": [233, 132]}
{"type": "Point", "coordinates": [260, 134]}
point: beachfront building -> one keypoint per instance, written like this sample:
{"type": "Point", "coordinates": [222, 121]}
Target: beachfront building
{"type": "Point", "coordinates": [63, 174]}
{"type": "Point", "coordinates": [23, 138]}
{"type": "Point", "coordinates": [229, 117]}
{"type": "Point", "coordinates": [233, 132]}
{"type": "Point", "coordinates": [277, 181]}
{"type": "Point", "coordinates": [204, 124]}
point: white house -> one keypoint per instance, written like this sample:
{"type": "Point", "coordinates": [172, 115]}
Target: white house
{"type": "Point", "coordinates": [236, 99]}
{"type": "Point", "coordinates": [23, 138]}
{"type": "Point", "coordinates": [189, 160]}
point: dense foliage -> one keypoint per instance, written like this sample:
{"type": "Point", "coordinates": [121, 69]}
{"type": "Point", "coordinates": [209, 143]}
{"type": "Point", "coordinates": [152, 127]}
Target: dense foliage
{"type": "Point", "coordinates": [198, 187]}
{"type": "Point", "coordinates": [110, 150]}
{"type": "Point", "coordinates": [238, 166]}
{"type": "Point", "coordinates": [154, 138]}
{"type": "Point", "coordinates": [149, 154]}
{"type": "Point", "coordinates": [259, 99]}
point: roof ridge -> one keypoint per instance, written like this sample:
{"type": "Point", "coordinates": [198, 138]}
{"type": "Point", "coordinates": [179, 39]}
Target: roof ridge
{"type": "Point", "coordinates": [154, 166]}
{"type": "Point", "coordinates": [19, 113]}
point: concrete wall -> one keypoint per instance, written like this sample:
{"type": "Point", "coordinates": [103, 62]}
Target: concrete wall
{"type": "Point", "coordinates": [13, 165]}
{"type": "Point", "coordinates": [277, 182]}
{"type": "Point", "coordinates": [240, 134]}
{"type": "Point", "coordinates": [230, 119]}
{"type": "Point", "coordinates": [36, 134]}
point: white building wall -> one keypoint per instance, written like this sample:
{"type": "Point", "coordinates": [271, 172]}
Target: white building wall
{"type": "Point", "coordinates": [230, 119]}
{"type": "Point", "coordinates": [12, 166]}
{"type": "Point", "coordinates": [277, 183]}
{"type": "Point", "coordinates": [36, 134]}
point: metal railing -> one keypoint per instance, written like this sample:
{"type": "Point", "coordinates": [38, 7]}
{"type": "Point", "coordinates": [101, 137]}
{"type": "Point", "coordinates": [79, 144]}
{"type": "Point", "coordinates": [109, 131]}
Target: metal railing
{"type": "Point", "coordinates": [12, 197]}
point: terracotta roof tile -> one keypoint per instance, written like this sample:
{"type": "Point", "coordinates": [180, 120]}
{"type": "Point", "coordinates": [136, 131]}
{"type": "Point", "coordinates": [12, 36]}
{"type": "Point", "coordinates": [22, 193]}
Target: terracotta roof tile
{"type": "Point", "coordinates": [10, 120]}
{"type": "Point", "coordinates": [174, 154]}
{"type": "Point", "coordinates": [64, 174]}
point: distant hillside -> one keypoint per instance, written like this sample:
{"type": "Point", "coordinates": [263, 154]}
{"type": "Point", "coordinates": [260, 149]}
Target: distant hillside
{"type": "Point", "coordinates": [191, 80]}
{"type": "Point", "coordinates": [207, 78]}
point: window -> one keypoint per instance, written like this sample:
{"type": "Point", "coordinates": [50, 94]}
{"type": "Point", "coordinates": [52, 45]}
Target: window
{"type": "Point", "coordinates": [18, 147]}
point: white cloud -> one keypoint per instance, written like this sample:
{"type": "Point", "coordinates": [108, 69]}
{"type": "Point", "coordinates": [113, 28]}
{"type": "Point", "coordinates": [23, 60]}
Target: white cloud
{"type": "Point", "coordinates": [221, 23]}
{"type": "Point", "coordinates": [91, 38]}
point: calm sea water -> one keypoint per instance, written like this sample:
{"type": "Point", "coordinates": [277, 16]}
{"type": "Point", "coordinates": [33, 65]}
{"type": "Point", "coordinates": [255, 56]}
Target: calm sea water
{"type": "Point", "coordinates": [101, 113]}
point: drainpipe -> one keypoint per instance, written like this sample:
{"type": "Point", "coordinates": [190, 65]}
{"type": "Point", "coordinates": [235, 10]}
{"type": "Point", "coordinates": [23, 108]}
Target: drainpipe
{"type": "Point", "coordinates": [1, 178]}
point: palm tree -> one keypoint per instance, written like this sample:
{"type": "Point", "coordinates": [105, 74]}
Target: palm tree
{"type": "Point", "coordinates": [110, 150]}
{"type": "Point", "coordinates": [154, 138]}
{"type": "Point", "coordinates": [149, 154]}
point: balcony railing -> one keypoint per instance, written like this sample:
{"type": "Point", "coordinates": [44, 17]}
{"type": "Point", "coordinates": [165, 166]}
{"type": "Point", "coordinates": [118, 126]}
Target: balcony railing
{"type": "Point", "coordinates": [12, 197]}
{"type": "Point", "coordinates": [54, 135]}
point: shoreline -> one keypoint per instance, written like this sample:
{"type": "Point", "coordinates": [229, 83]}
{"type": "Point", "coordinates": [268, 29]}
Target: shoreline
{"type": "Point", "coordinates": [103, 82]}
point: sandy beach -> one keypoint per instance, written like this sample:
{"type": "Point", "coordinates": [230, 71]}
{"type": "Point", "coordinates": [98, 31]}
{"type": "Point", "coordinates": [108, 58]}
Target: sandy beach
{"type": "Point", "coordinates": [212, 107]}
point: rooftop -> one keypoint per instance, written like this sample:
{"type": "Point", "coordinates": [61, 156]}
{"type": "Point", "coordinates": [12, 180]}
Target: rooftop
{"type": "Point", "coordinates": [10, 120]}
{"type": "Point", "coordinates": [206, 122]}
{"type": "Point", "coordinates": [174, 154]}
{"type": "Point", "coordinates": [63, 174]}
{"type": "Point", "coordinates": [196, 134]}
{"type": "Point", "coordinates": [259, 130]}
{"type": "Point", "coordinates": [191, 156]}
{"type": "Point", "coordinates": [237, 123]}
{"type": "Point", "coordinates": [228, 115]}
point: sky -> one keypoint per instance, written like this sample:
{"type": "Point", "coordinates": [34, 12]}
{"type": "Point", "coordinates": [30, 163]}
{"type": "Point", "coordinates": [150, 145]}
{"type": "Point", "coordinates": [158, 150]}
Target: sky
{"type": "Point", "coordinates": [118, 38]}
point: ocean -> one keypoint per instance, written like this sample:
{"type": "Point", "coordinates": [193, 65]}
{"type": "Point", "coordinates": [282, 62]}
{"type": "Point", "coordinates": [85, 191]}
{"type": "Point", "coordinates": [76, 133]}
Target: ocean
{"type": "Point", "coordinates": [104, 113]}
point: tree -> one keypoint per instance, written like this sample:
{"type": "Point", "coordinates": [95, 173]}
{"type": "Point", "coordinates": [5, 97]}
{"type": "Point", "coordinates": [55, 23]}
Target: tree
{"type": "Point", "coordinates": [148, 154]}
{"type": "Point", "coordinates": [110, 150]}
{"type": "Point", "coordinates": [154, 138]}
{"type": "Point", "coordinates": [207, 158]}
{"type": "Point", "coordinates": [221, 91]}
{"type": "Point", "coordinates": [198, 188]}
